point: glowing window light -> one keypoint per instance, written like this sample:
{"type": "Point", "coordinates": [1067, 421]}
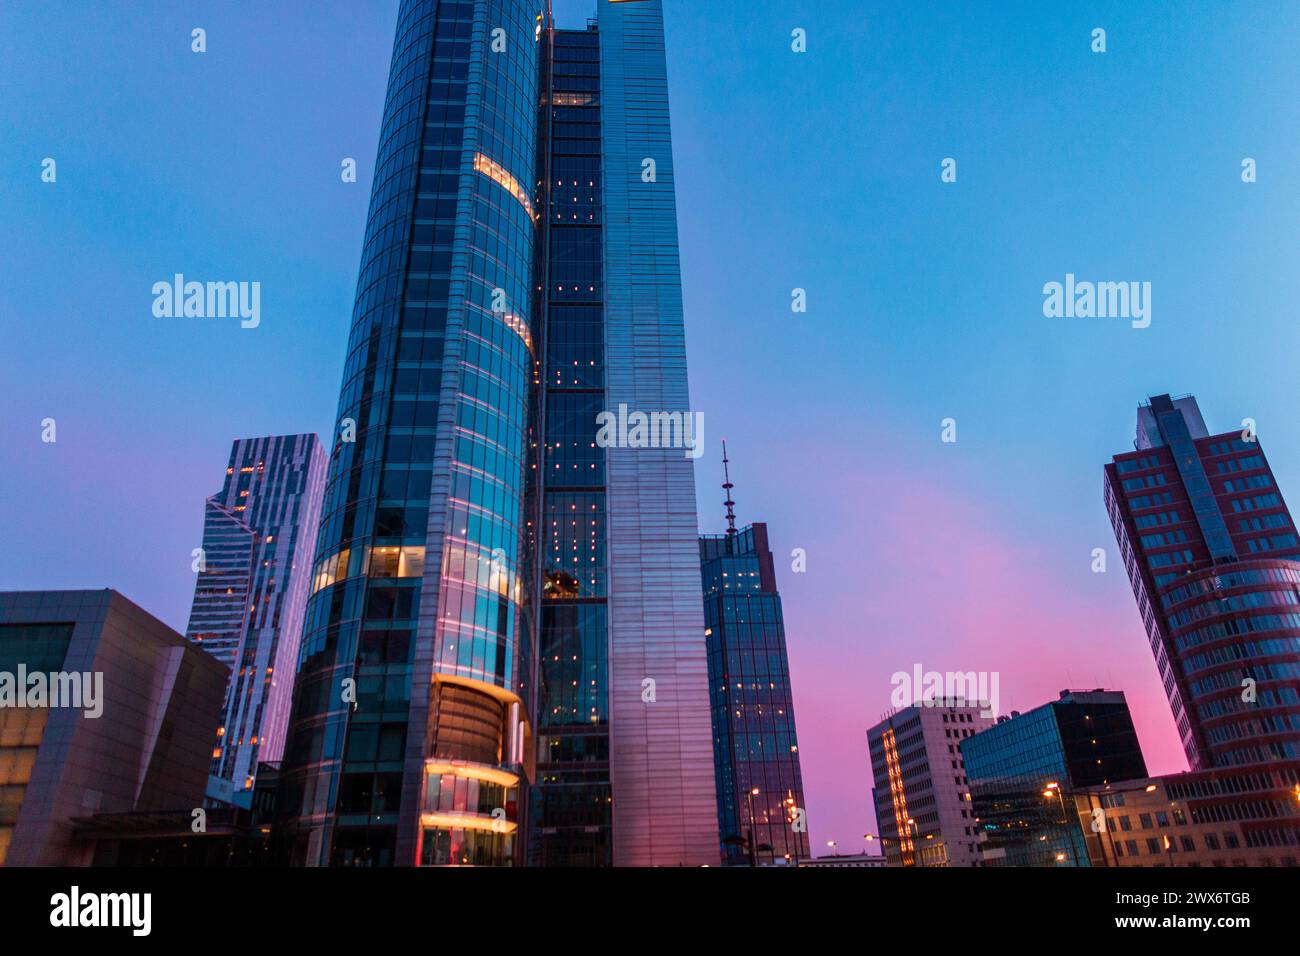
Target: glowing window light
{"type": "Point", "coordinates": [499, 175]}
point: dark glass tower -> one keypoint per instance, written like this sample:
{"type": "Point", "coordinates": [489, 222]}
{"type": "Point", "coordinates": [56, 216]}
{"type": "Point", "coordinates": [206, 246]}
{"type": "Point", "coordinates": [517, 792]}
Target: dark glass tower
{"type": "Point", "coordinates": [754, 743]}
{"type": "Point", "coordinates": [1023, 772]}
{"type": "Point", "coordinates": [519, 276]}
{"type": "Point", "coordinates": [573, 799]}
{"type": "Point", "coordinates": [1212, 554]}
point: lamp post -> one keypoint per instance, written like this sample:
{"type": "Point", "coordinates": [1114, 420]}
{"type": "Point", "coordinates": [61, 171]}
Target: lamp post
{"type": "Point", "coordinates": [753, 853]}
{"type": "Point", "coordinates": [1111, 860]}
{"type": "Point", "coordinates": [791, 818]}
{"type": "Point", "coordinates": [1054, 789]}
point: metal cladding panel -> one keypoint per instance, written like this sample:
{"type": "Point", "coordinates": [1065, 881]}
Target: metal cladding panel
{"type": "Point", "coordinates": [661, 760]}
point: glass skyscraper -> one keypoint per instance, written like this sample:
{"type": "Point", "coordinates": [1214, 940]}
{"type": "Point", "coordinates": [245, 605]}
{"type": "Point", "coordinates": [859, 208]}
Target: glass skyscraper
{"type": "Point", "coordinates": [1212, 554]}
{"type": "Point", "coordinates": [755, 748]}
{"type": "Point", "coordinates": [492, 590]}
{"type": "Point", "coordinates": [259, 533]}
{"type": "Point", "coordinates": [573, 797]}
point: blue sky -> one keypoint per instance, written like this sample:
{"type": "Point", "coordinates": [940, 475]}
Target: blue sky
{"type": "Point", "coordinates": [817, 171]}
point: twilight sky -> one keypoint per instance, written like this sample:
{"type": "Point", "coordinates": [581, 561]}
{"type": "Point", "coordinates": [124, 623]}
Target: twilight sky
{"type": "Point", "coordinates": [818, 171]}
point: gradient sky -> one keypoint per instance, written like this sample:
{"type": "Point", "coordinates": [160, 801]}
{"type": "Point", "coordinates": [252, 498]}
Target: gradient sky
{"type": "Point", "coordinates": [818, 171]}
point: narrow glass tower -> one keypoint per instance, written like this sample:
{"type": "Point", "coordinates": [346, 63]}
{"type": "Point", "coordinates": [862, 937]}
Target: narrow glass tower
{"type": "Point", "coordinates": [762, 817]}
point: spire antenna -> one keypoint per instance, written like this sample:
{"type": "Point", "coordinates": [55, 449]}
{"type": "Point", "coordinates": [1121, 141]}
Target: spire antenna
{"type": "Point", "coordinates": [727, 486]}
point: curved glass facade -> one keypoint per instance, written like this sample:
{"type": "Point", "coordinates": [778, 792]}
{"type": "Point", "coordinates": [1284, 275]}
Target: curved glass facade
{"type": "Point", "coordinates": [415, 646]}
{"type": "Point", "coordinates": [1211, 551]}
{"type": "Point", "coordinates": [1236, 633]}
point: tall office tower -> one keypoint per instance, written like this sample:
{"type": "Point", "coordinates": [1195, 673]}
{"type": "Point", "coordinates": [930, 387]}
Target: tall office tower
{"type": "Point", "coordinates": [259, 532]}
{"type": "Point", "coordinates": [661, 754]}
{"type": "Point", "coordinates": [1212, 554]}
{"type": "Point", "coordinates": [573, 796]}
{"type": "Point", "coordinates": [1023, 773]}
{"type": "Point", "coordinates": [415, 729]}
{"type": "Point", "coordinates": [409, 731]}
{"type": "Point", "coordinates": [123, 726]}
{"type": "Point", "coordinates": [921, 796]}
{"type": "Point", "coordinates": [754, 743]}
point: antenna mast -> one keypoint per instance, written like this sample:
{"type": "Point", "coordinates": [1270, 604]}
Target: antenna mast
{"type": "Point", "coordinates": [727, 486]}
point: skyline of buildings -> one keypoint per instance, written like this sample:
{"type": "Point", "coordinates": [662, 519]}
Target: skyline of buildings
{"type": "Point", "coordinates": [1246, 812]}
{"type": "Point", "coordinates": [1202, 527]}
{"type": "Point", "coordinates": [780, 387]}
{"type": "Point", "coordinates": [254, 568]}
{"type": "Point", "coordinates": [567, 621]}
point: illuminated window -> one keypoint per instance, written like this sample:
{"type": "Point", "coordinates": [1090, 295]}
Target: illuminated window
{"type": "Point", "coordinates": [331, 569]}
{"type": "Point", "coordinates": [395, 562]}
{"type": "Point", "coordinates": [499, 175]}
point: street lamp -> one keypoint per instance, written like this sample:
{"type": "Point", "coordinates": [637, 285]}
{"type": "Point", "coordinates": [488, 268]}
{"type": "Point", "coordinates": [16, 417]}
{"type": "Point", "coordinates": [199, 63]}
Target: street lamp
{"type": "Point", "coordinates": [914, 831]}
{"type": "Point", "coordinates": [792, 818]}
{"type": "Point", "coordinates": [753, 853]}
{"type": "Point", "coordinates": [1053, 789]}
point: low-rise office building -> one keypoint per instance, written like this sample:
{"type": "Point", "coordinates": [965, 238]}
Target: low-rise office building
{"type": "Point", "coordinates": [921, 795]}
{"type": "Point", "coordinates": [1241, 816]}
{"type": "Point", "coordinates": [103, 709]}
